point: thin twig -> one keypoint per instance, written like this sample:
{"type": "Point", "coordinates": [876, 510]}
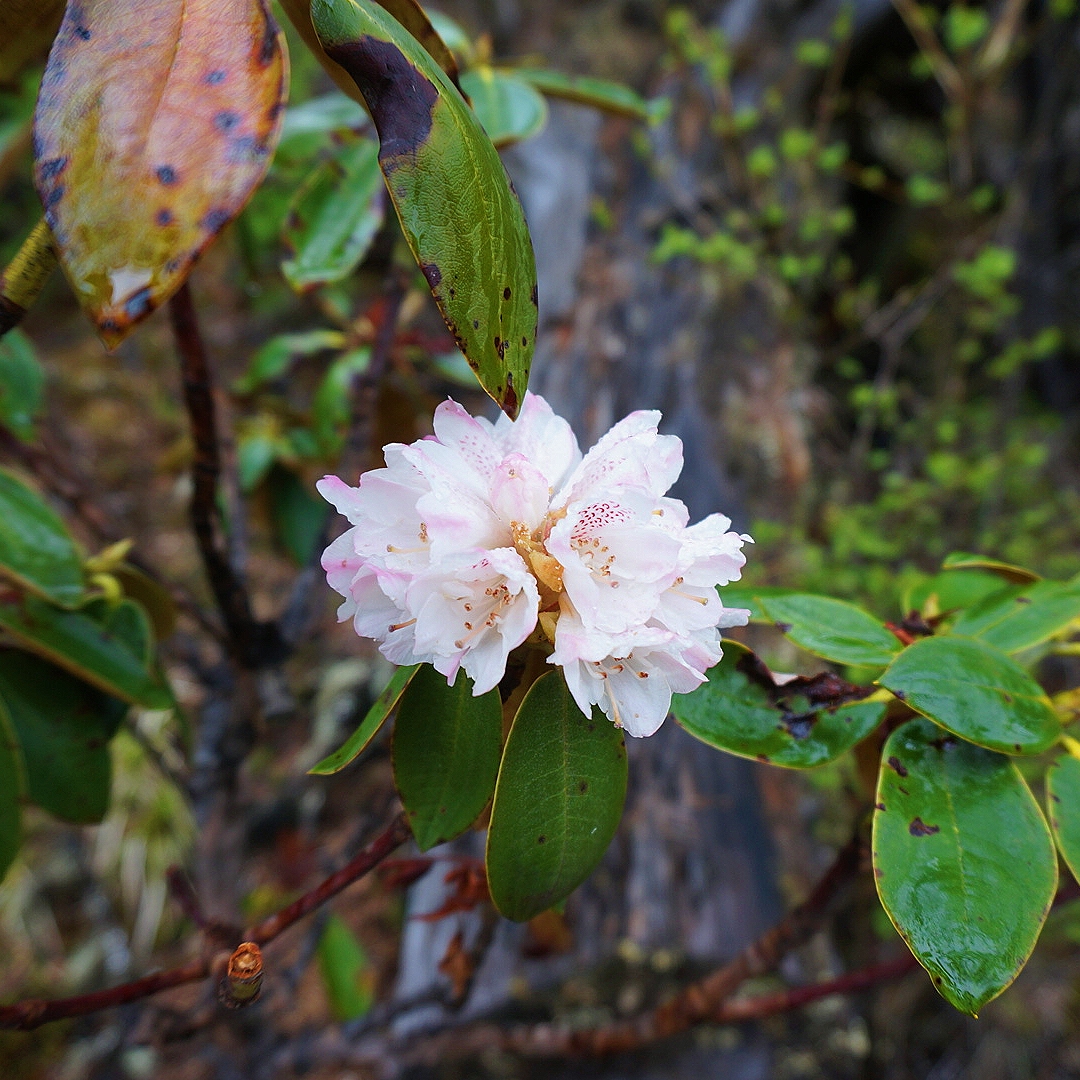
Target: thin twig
{"type": "Point", "coordinates": [249, 642]}
{"type": "Point", "coordinates": [31, 1014]}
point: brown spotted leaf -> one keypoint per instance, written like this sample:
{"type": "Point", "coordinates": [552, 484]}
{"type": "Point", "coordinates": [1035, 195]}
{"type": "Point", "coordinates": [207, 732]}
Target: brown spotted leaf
{"type": "Point", "coordinates": [451, 193]}
{"type": "Point", "coordinates": [151, 132]}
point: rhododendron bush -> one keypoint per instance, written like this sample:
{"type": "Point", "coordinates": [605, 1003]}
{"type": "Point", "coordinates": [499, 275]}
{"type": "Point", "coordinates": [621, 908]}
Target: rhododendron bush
{"type": "Point", "coordinates": [538, 603]}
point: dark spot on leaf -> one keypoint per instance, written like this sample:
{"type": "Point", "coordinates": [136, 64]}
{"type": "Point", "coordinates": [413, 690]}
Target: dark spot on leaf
{"type": "Point", "coordinates": [52, 168]}
{"type": "Point", "coordinates": [246, 148]}
{"type": "Point", "coordinates": [1007, 698]}
{"type": "Point", "coordinates": [899, 695]}
{"type": "Point", "coordinates": [583, 786]}
{"type": "Point", "coordinates": [452, 292]}
{"type": "Point", "coordinates": [541, 839]}
{"type": "Point", "coordinates": [83, 33]}
{"type": "Point", "coordinates": [799, 725]}
{"type": "Point", "coordinates": [166, 174]}
{"type": "Point", "coordinates": [110, 326]}
{"type": "Point", "coordinates": [937, 980]}
{"type": "Point", "coordinates": [783, 627]}
{"type": "Point", "coordinates": [763, 758]}
{"type": "Point", "coordinates": [226, 120]}
{"type": "Point", "coordinates": [138, 304]}
{"type": "Point", "coordinates": [590, 726]}
{"type": "Point", "coordinates": [476, 324]}
{"type": "Point", "coordinates": [1056, 798]}
{"type": "Point", "coordinates": [215, 219]}
{"type": "Point", "coordinates": [896, 766]}
{"type": "Point", "coordinates": [509, 396]}
{"type": "Point", "coordinates": [879, 806]}
{"type": "Point", "coordinates": [944, 743]}
{"type": "Point", "coordinates": [878, 873]}
{"type": "Point", "coordinates": [172, 266]}
{"type": "Point", "coordinates": [500, 347]}
{"type": "Point", "coordinates": [1017, 747]}
{"type": "Point", "coordinates": [506, 293]}
{"type": "Point", "coordinates": [524, 342]}
{"type": "Point", "coordinates": [164, 216]}
{"type": "Point", "coordinates": [401, 100]}
{"type": "Point", "coordinates": [268, 47]}
{"type": "Point", "coordinates": [918, 827]}
{"type": "Point", "coordinates": [432, 273]}
{"type": "Point", "coordinates": [1023, 599]}
{"type": "Point", "coordinates": [214, 78]}
{"type": "Point", "coordinates": [55, 195]}
{"type": "Point", "coordinates": [534, 296]}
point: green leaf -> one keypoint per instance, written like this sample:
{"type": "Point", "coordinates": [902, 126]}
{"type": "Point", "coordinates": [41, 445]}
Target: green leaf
{"type": "Point", "coordinates": [12, 787]}
{"type": "Point", "coordinates": [81, 645]}
{"type": "Point", "coordinates": [599, 93]}
{"type": "Point", "coordinates": [334, 217]}
{"type": "Point", "coordinates": [460, 216]}
{"type": "Point", "coordinates": [332, 404]}
{"type": "Point", "coordinates": [22, 384]}
{"type": "Point", "coordinates": [1024, 615]}
{"type": "Point", "coordinates": [736, 712]}
{"type": "Point", "coordinates": [36, 550]}
{"type": "Point", "coordinates": [346, 971]}
{"type": "Point", "coordinates": [1063, 803]}
{"type": "Point", "coordinates": [509, 108]}
{"type": "Point", "coordinates": [276, 356]}
{"type": "Point", "coordinates": [63, 728]}
{"type": "Point", "coordinates": [446, 754]}
{"type": "Point", "coordinates": [976, 692]}
{"type": "Point", "coordinates": [833, 629]}
{"type": "Point", "coordinates": [953, 589]}
{"type": "Point", "coordinates": [558, 801]}
{"type": "Point", "coordinates": [962, 560]}
{"type": "Point", "coordinates": [319, 117]}
{"type": "Point", "coordinates": [963, 861]}
{"type": "Point", "coordinates": [298, 516]}
{"type": "Point", "coordinates": [369, 727]}
{"type": "Point", "coordinates": [751, 597]}
{"type": "Point", "coordinates": [150, 135]}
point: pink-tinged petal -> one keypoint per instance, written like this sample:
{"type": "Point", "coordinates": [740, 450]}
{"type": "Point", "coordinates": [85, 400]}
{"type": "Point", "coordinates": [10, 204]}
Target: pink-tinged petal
{"type": "Point", "coordinates": [336, 492]}
{"type": "Point", "coordinates": [471, 439]}
{"type": "Point", "coordinates": [519, 493]}
{"type": "Point", "coordinates": [545, 439]}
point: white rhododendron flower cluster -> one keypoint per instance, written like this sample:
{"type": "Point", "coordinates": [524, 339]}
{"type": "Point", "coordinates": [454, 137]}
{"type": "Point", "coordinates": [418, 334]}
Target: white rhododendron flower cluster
{"type": "Point", "coordinates": [476, 538]}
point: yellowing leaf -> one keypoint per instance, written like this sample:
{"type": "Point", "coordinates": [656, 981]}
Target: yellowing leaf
{"type": "Point", "coordinates": [153, 126]}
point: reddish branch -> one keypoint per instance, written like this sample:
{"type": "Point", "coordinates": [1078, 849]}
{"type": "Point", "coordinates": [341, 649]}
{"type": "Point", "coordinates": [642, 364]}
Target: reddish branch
{"type": "Point", "coordinates": [31, 1014]}
{"type": "Point", "coordinates": [248, 641]}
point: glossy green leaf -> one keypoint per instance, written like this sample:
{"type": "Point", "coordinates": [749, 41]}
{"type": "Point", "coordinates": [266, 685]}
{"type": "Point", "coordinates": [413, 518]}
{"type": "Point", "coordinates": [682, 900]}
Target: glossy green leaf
{"type": "Point", "coordinates": [963, 860]}
{"type": "Point", "coordinates": [81, 645]}
{"type": "Point", "coordinates": [1063, 805]}
{"type": "Point", "coordinates": [458, 212]}
{"type": "Point", "coordinates": [370, 726]}
{"type": "Point", "coordinates": [126, 622]}
{"type": "Point", "coordinates": [12, 788]}
{"type": "Point", "coordinates": [446, 754]}
{"type": "Point", "coordinates": [976, 692]}
{"type": "Point", "coordinates": [833, 629]}
{"type": "Point", "coordinates": [331, 405]}
{"type": "Point", "coordinates": [1024, 615]}
{"type": "Point", "coordinates": [334, 217]}
{"type": "Point", "coordinates": [257, 448]}
{"type": "Point", "coordinates": [151, 131]}
{"type": "Point", "coordinates": [558, 801]}
{"type": "Point", "coordinates": [752, 597]}
{"type": "Point", "coordinates": [63, 727]}
{"type": "Point", "coordinates": [36, 551]}
{"type": "Point", "coordinates": [22, 385]}
{"type": "Point", "coordinates": [276, 356]}
{"type": "Point", "coordinates": [952, 589]}
{"type": "Point", "coordinates": [736, 712]}
{"type": "Point", "coordinates": [599, 93]}
{"type": "Point", "coordinates": [962, 560]}
{"type": "Point", "coordinates": [346, 971]}
{"type": "Point", "coordinates": [509, 108]}
{"type": "Point", "coordinates": [319, 117]}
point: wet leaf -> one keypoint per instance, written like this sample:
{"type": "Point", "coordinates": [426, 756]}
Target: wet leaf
{"type": "Point", "coordinates": [558, 801]}
{"type": "Point", "coordinates": [963, 859]}
{"type": "Point", "coordinates": [508, 107]}
{"type": "Point", "coordinates": [150, 140]}
{"type": "Point", "coordinates": [599, 93]}
{"type": "Point", "coordinates": [63, 727]}
{"type": "Point", "coordinates": [1024, 615]}
{"type": "Point", "coordinates": [27, 28]}
{"type": "Point", "coordinates": [1063, 806]}
{"type": "Point", "coordinates": [833, 629]}
{"type": "Point", "coordinates": [976, 692]}
{"type": "Point", "coordinates": [346, 970]}
{"type": "Point", "coordinates": [736, 713]}
{"type": "Point", "coordinates": [12, 788]}
{"type": "Point", "coordinates": [334, 217]}
{"type": "Point", "coordinates": [22, 383]}
{"type": "Point", "coordinates": [36, 551]}
{"type": "Point", "coordinates": [81, 645]}
{"type": "Point", "coordinates": [369, 727]}
{"type": "Point", "coordinates": [451, 193]}
{"type": "Point", "coordinates": [446, 754]}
